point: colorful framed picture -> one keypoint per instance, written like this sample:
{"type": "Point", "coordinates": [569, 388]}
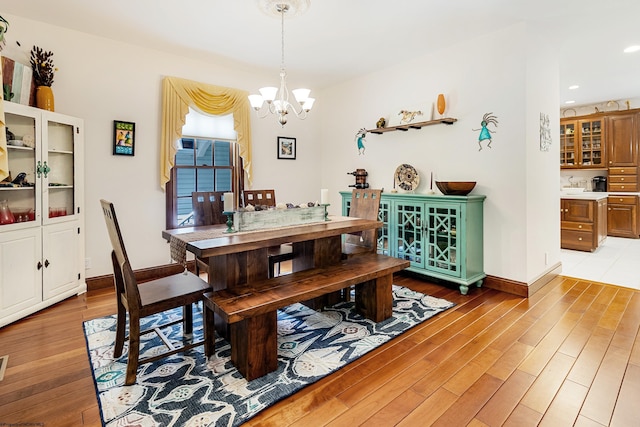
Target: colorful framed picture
{"type": "Point", "coordinates": [286, 148]}
{"type": "Point", "coordinates": [123, 138]}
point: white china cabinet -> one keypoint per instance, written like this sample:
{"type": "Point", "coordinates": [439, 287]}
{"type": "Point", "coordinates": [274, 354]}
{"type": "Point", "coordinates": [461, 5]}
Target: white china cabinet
{"type": "Point", "coordinates": [41, 212]}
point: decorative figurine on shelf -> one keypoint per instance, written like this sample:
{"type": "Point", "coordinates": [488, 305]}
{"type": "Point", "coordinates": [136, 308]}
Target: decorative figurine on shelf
{"type": "Point", "coordinates": [382, 122]}
{"type": "Point", "coordinates": [485, 133]}
{"type": "Point", "coordinates": [360, 140]}
{"type": "Point", "coordinates": [408, 116]}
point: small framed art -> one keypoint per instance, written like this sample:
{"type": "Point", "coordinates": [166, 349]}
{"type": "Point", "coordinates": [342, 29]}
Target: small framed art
{"type": "Point", "coordinates": [124, 138]}
{"type": "Point", "coordinates": [286, 148]}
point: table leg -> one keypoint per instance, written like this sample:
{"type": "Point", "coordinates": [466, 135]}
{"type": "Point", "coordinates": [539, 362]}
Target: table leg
{"type": "Point", "coordinates": [232, 270]}
{"type": "Point", "coordinates": [318, 253]}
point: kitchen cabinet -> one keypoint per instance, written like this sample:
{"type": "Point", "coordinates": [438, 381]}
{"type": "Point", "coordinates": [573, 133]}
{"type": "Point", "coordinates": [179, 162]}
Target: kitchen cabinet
{"type": "Point", "coordinates": [581, 143]}
{"type": "Point", "coordinates": [622, 140]}
{"type": "Point", "coordinates": [622, 216]}
{"type": "Point", "coordinates": [622, 146]}
{"type": "Point", "coordinates": [442, 236]}
{"type": "Point", "coordinates": [42, 242]}
{"type": "Point", "coordinates": [583, 223]}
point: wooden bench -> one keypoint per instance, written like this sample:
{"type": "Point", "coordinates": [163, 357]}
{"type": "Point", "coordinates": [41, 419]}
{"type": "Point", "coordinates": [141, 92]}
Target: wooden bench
{"type": "Point", "coordinates": [250, 311]}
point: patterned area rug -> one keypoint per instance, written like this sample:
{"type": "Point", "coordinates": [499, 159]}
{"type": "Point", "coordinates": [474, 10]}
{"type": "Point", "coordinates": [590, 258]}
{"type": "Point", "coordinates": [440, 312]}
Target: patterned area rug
{"type": "Point", "coordinates": [187, 390]}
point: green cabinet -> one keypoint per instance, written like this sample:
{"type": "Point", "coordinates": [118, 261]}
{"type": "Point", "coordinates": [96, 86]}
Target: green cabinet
{"type": "Point", "coordinates": [440, 235]}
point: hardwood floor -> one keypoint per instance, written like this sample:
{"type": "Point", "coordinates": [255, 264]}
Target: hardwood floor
{"type": "Point", "coordinates": [569, 355]}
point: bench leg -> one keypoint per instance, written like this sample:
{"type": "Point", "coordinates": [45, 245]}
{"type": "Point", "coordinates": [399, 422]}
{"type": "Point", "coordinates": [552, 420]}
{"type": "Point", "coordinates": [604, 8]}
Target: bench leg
{"type": "Point", "coordinates": [254, 345]}
{"type": "Point", "coordinates": [374, 299]}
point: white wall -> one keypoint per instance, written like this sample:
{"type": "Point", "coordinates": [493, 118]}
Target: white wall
{"type": "Point", "coordinates": [100, 80]}
{"type": "Point", "coordinates": [489, 74]}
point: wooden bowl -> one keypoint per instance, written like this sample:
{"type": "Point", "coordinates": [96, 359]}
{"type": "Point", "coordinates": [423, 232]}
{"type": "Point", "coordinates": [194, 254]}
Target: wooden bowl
{"type": "Point", "coordinates": [456, 188]}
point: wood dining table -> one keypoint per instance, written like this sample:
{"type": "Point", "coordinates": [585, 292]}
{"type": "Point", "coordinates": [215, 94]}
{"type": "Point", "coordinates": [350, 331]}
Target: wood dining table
{"type": "Point", "coordinates": [240, 258]}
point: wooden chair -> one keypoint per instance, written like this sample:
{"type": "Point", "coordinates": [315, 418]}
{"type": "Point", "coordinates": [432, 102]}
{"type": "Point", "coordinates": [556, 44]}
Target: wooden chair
{"type": "Point", "coordinates": [207, 209]}
{"type": "Point", "coordinates": [144, 299]}
{"type": "Point", "coordinates": [365, 203]}
{"type": "Point", "coordinates": [276, 254]}
{"type": "Point", "coordinates": [259, 198]}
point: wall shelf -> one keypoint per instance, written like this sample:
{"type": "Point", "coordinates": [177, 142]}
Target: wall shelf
{"type": "Point", "coordinates": [416, 125]}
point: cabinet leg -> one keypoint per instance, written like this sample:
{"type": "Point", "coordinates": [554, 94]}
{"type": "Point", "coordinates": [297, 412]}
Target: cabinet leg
{"type": "Point", "coordinates": [479, 283]}
{"type": "Point", "coordinates": [464, 289]}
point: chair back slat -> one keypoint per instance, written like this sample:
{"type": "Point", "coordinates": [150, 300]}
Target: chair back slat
{"type": "Point", "coordinates": [365, 203]}
{"type": "Point", "coordinates": [207, 207]}
{"type": "Point", "coordinates": [259, 198]}
{"type": "Point", "coordinates": [124, 279]}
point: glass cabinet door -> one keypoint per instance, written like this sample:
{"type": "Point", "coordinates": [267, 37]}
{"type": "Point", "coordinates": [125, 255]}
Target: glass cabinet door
{"type": "Point", "coordinates": [567, 144]}
{"type": "Point", "coordinates": [19, 202]}
{"type": "Point", "coordinates": [58, 168]}
{"type": "Point", "coordinates": [591, 143]}
{"type": "Point", "coordinates": [383, 233]}
{"type": "Point", "coordinates": [442, 239]}
{"type": "Point", "coordinates": [409, 233]}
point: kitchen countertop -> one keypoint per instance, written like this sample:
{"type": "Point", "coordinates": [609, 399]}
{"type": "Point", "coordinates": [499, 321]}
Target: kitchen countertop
{"type": "Point", "coordinates": [593, 195]}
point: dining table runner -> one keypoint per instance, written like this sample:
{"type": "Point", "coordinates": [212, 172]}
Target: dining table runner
{"type": "Point", "coordinates": [178, 242]}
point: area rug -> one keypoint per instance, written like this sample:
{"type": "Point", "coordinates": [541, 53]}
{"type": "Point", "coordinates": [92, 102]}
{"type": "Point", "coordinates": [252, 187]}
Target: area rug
{"type": "Point", "coordinates": [188, 390]}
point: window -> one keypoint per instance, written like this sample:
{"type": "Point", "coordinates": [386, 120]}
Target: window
{"type": "Point", "coordinates": [201, 164]}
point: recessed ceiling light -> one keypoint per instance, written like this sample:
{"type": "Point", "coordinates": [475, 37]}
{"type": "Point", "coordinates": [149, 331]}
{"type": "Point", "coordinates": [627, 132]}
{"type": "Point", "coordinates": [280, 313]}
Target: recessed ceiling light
{"type": "Point", "coordinates": [632, 49]}
{"type": "Point", "coordinates": [573, 87]}
{"type": "Point", "coordinates": [570, 102]}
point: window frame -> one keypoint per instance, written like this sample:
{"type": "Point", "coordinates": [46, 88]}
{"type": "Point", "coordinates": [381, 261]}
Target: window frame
{"type": "Point", "coordinates": [171, 190]}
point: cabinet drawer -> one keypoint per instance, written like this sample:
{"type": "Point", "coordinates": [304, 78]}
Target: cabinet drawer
{"type": "Point", "coordinates": [579, 240]}
{"type": "Point", "coordinates": [622, 200]}
{"type": "Point", "coordinates": [623, 171]}
{"type": "Point", "coordinates": [623, 179]}
{"type": "Point", "coordinates": [623, 187]}
{"type": "Point", "coordinates": [577, 226]}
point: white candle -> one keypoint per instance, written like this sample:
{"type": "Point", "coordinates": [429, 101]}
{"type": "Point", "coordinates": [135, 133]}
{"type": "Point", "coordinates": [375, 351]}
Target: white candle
{"type": "Point", "coordinates": [324, 196]}
{"type": "Point", "coordinates": [228, 202]}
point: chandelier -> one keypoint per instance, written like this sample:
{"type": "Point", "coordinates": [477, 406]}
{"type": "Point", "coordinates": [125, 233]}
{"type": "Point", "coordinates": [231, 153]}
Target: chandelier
{"type": "Point", "coordinates": [273, 100]}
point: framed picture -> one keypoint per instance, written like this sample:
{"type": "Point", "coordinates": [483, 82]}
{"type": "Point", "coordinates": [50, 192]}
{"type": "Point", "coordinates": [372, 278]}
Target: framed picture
{"type": "Point", "coordinates": [124, 138]}
{"type": "Point", "coordinates": [286, 148]}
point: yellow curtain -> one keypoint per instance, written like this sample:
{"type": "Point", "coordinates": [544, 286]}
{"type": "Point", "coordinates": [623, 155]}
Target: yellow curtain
{"type": "Point", "coordinates": [180, 94]}
{"type": "Point", "coordinates": [4, 156]}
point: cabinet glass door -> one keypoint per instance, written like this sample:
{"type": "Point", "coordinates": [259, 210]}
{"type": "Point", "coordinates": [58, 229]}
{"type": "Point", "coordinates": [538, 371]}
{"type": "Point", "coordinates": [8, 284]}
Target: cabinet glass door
{"type": "Point", "coordinates": [18, 201]}
{"type": "Point", "coordinates": [591, 143]}
{"type": "Point", "coordinates": [383, 233]}
{"type": "Point", "coordinates": [409, 233]}
{"type": "Point", "coordinates": [567, 144]}
{"type": "Point", "coordinates": [442, 240]}
{"type": "Point", "coordinates": [58, 169]}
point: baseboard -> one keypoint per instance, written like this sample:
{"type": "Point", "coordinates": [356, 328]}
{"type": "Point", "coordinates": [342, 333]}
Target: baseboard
{"type": "Point", "coordinates": [142, 275]}
{"type": "Point", "coordinates": [506, 285]}
{"type": "Point", "coordinates": [520, 288]}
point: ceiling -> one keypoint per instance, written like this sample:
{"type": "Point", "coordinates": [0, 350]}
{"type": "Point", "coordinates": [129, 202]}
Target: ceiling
{"type": "Point", "coordinates": [335, 40]}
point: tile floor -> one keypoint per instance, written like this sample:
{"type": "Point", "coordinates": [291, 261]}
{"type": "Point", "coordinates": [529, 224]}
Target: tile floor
{"type": "Point", "coordinates": [616, 261]}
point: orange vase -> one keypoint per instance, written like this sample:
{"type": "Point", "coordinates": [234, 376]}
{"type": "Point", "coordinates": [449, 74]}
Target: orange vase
{"type": "Point", "coordinates": [441, 104]}
{"type": "Point", "coordinates": [44, 98]}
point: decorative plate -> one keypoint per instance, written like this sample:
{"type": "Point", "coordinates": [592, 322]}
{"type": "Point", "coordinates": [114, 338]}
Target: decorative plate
{"type": "Point", "coordinates": [406, 177]}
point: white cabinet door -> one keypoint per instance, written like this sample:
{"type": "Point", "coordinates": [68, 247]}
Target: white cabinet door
{"type": "Point", "coordinates": [60, 256]}
{"type": "Point", "coordinates": [20, 278]}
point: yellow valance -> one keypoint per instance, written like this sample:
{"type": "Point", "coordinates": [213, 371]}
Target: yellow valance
{"type": "Point", "coordinates": [180, 94]}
